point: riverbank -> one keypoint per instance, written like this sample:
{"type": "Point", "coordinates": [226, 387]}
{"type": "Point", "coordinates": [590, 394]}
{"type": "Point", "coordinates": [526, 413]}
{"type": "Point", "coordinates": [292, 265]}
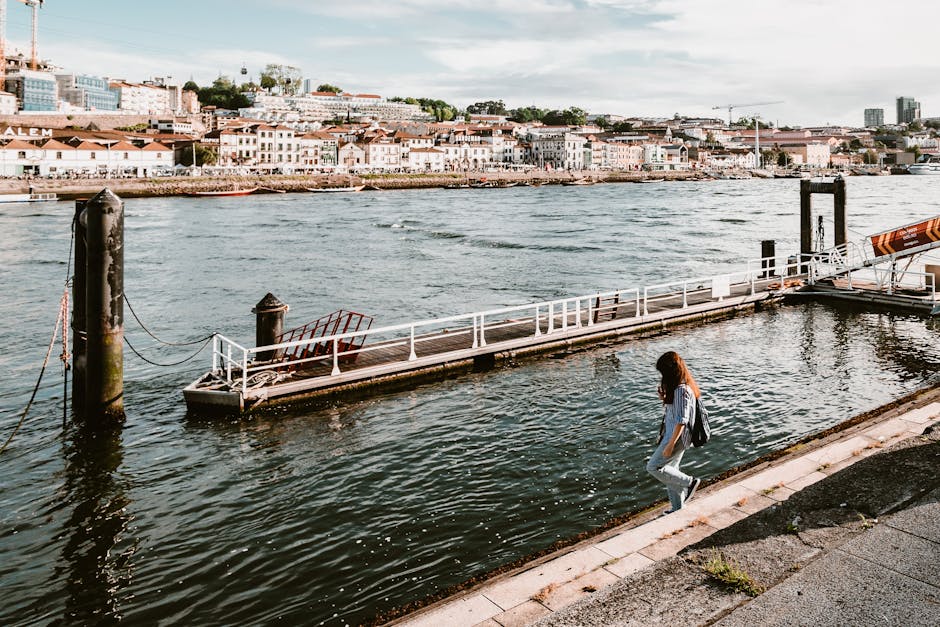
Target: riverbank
{"type": "Point", "coordinates": [69, 189]}
{"type": "Point", "coordinates": [815, 506]}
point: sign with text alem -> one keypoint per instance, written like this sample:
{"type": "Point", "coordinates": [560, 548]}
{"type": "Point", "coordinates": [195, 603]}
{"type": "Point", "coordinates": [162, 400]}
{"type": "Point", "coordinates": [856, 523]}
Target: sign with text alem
{"type": "Point", "coordinates": [906, 237]}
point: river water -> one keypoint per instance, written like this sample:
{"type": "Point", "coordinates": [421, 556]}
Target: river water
{"type": "Point", "coordinates": [330, 516]}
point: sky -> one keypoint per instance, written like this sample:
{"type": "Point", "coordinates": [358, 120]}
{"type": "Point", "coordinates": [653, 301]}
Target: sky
{"type": "Point", "coordinates": [818, 61]}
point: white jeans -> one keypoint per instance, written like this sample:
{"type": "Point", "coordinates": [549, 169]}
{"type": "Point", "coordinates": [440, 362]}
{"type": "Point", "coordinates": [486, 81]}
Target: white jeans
{"type": "Point", "coordinates": [666, 469]}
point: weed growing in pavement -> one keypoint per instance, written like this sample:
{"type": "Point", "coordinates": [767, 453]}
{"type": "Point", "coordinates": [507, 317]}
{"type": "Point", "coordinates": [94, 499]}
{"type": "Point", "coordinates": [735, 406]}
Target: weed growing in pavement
{"type": "Point", "coordinates": [729, 573]}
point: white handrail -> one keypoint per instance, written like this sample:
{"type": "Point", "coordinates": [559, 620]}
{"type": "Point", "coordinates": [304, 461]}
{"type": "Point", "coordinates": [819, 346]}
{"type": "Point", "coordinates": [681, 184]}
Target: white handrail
{"type": "Point", "coordinates": [551, 311]}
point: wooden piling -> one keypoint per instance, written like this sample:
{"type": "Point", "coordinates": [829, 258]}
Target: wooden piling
{"type": "Point", "coordinates": [104, 385]}
{"type": "Point", "coordinates": [79, 325]}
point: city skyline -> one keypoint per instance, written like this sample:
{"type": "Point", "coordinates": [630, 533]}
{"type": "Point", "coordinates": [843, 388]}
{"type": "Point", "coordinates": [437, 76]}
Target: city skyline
{"type": "Point", "coordinates": [630, 57]}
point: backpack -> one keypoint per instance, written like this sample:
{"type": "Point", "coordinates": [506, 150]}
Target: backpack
{"type": "Point", "coordinates": [701, 430]}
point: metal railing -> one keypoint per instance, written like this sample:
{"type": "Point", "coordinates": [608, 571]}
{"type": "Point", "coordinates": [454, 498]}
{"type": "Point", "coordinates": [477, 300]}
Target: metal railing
{"type": "Point", "coordinates": [240, 368]}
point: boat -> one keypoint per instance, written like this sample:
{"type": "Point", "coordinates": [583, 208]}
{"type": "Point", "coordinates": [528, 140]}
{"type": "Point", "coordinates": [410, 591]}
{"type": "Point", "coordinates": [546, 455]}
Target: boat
{"type": "Point", "coordinates": [32, 197]}
{"type": "Point", "coordinates": [349, 188]}
{"type": "Point", "coordinates": [226, 192]}
{"type": "Point", "coordinates": [930, 166]}
{"type": "Point", "coordinates": [578, 182]}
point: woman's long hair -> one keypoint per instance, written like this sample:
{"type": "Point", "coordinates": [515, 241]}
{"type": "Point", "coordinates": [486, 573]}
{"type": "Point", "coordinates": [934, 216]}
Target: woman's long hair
{"type": "Point", "coordinates": [675, 372]}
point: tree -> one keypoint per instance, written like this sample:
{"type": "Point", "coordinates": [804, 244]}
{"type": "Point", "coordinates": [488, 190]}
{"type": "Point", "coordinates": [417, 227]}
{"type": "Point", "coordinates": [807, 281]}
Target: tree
{"type": "Point", "coordinates": [330, 88]}
{"type": "Point", "coordinates": [286, 78]}
{"type": "Point", "coordinates": [527, 114]}
{"type": "Point", "coordinates": [572, 116]}
{"type": "Point", "coordinates": [855, 144]}
{"type": "Point", "coordinates": [870, 157]}
{"type": "Point", "coordinates": [784, 159]}
{"type": "Point", "coordinates": [488, 107]}
{"type": "Point", "coordinates": [622, 127]}
{"type": "Point", "coordinates": [191, 86]}
{"type": "Point", "coordinates": [204, 156]}
{"type": "Point", "coordinates": [223, 94]}
{"type": "Point", "coordinates": [602, 122]}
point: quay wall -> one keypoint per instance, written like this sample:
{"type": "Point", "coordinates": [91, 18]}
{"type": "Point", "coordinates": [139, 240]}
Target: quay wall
{"type": "Point", "coordinates": [179, 185]}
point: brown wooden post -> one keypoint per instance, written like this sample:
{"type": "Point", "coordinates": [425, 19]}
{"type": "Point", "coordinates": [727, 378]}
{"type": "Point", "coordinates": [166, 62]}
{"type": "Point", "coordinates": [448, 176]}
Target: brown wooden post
{"type": "Point", "coordinates": [806, 222]}
{"type": "Point", "coordinates": [79, 325]}
{"type": "Point", "coordinates": [104, 383]}
{"type": "Point", "coordinates": [838, 192]}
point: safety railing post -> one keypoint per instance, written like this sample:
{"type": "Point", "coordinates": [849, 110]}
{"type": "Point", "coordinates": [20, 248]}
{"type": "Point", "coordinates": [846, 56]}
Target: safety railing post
{"type": "Point", "coordinates": [685, 294]}
{"type": "Point", "coordinates": [228, 364]}
{"type": "Point", "coordinates": [577, 312]}
{"type": "Point", "coordinates": [335, 357]}
{"type": "Point", "coordinates": [590, 312]}
{"type": "Point", "coordinates": [538, 330]}
{"type": "Point", "coordinates": [244, 373]}
{"type": "Point", "coordinates": [215, 354]}
{"type": "Point", "coordinates": [564, 316]}
{"type": "Point", "coordinates": [551, 317]}
{"type": "Point", "coordinates": [412, 356]}
{"type": "Point", "coordinates": [476, 342]}
{"type": "Point", "coordinates": [646, 308]}
{"type": "Point", "coordinates": [753, 283]}
{"type": "Point", "coordinates": [637, 302]}
{"type": "Point", "coordinates": [482, 330]}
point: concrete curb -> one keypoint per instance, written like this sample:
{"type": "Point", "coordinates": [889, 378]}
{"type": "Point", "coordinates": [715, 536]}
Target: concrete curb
{"type": "Point", "coordinates": [549, 585]}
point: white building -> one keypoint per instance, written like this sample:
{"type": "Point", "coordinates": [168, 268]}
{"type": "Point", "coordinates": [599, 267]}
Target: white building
{"type": "Point", "coordinates": [142, 99]}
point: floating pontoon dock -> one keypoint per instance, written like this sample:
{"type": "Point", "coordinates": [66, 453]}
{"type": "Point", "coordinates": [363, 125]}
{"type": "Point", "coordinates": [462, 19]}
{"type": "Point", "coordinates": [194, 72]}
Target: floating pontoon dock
{"type": "Point", "coordinates": [241, 380]}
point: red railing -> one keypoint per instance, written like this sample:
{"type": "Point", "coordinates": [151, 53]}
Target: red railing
{"type": "Point", "coordinates": [335, 323]}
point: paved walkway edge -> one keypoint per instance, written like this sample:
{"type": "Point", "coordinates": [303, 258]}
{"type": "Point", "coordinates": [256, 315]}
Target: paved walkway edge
{"type": "Point", "coordinates": [553, 582]}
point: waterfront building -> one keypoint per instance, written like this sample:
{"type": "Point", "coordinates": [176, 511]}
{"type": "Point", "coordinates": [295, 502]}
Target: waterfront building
{"type": "Point", "coordinates": [318, 150]}
{"type": "Point", "coordinates": [350, 156]}
{"type": "Point", "coordinates": [85, 158]}
{"type": "Point", "coordinates": [89, 93]}
{"type": "Point", "coordinates": [382, 153]}
{"type": "Point", "coordinates": [816, 153]}
{"type": "Point", "coordinates": [35, 90]}
{"type": "Point", "coordinates": [908, 110]}
{"type": "Point", "coordinates": [874, 118]}
{"type": "Point", "coordinates": [426, 160]}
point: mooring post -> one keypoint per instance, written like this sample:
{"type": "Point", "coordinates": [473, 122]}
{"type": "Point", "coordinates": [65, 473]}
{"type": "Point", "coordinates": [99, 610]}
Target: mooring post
{"type": "Point", "coordinates": [768, 254]}
{"type": "Point", "coordinates": [79, 325]}
{"type": "Point", "coordinates": [104, 374]}
{"type": "Point", "coordinates": [838, 193]}
{"type": "Point", "coordinates": [269, 325]}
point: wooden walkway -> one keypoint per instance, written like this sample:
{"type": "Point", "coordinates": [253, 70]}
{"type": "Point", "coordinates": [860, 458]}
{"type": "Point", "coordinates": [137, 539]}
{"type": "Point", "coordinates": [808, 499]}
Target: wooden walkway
{"type": "Point", "coordinates": [387, 361]}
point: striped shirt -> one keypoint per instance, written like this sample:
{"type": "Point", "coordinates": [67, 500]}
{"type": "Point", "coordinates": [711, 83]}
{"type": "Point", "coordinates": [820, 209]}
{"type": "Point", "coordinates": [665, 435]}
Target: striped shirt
{"type": "Point", "coordinates": [681, 411]}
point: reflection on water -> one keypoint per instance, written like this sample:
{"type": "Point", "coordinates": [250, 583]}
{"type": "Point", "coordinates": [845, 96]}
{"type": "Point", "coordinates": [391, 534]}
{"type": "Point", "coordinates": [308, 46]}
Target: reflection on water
{"type": "Point", "coordinates": [97, 554]}
{"type": "Point", "coordinates": [336, 513]}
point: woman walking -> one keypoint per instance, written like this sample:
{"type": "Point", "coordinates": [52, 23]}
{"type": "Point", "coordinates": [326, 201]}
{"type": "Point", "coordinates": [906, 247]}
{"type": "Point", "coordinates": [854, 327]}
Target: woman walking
{"type": "Point", "coordinates": [678, 391]}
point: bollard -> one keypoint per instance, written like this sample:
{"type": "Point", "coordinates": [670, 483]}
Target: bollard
{"type": "Point", "coordinates": [269, 325]}
{"type": "Point", "coordinates": [768, 252]}
{"type": "Point", "coordinates": [79, 325]}
{"type": "Point", "coordinates": [104, 308]}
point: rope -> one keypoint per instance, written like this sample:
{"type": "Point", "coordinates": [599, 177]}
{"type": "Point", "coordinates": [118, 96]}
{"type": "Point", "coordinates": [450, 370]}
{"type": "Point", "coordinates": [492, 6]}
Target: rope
{"type": "Point", "coordinates": [55, 334]}
{"type": "Point", "coordinates": [177, 363]}
{"type": "Point", "coordinates": [142, 326]}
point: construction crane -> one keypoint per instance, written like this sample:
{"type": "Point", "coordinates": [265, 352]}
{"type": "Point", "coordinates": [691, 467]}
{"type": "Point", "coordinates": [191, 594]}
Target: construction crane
{"type": "Point", "coordinates": [730, 107]}
{"type": "Point", "coordinates": [34, 60]}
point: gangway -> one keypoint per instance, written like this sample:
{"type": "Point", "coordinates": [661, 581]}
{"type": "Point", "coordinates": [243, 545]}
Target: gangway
{"type": "Point", "coordinates": [868, 270]}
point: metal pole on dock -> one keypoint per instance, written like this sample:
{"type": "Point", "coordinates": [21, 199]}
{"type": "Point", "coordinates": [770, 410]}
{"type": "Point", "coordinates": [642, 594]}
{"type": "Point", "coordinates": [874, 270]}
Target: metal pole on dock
{"type": "Point", "coordinates": [104, 383]}
{"type": "Point", "coordinates": [269, 324]}
{"type": "Point", "coordinates": [79, 324]}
